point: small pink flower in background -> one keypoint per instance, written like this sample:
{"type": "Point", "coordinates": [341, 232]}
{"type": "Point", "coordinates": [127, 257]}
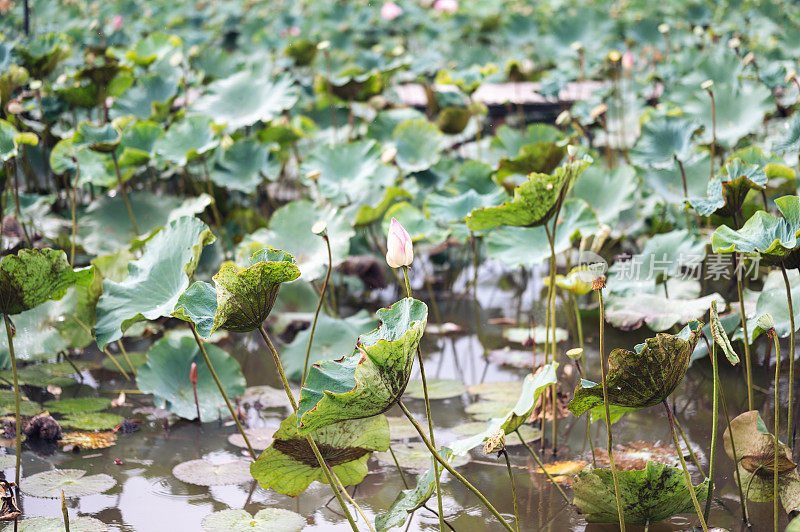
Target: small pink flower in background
{"type": "Point", "coordinates": [291, 31]}
{"type": "Point", "coordinates": [390, 11]}
{"type": "Point", "coordinates": [400, 250]}
{"type": "Point", "coordinates": [116, 22]}
{"type": "Point", "coordinates": [451, 6]}
{"type": "Point", "coordinates": [628, 60]}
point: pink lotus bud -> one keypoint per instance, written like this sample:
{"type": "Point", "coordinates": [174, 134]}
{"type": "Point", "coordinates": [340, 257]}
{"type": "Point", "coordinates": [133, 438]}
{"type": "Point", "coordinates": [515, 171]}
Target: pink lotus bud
{"type": "Point", "coordinates": [451, 6]}
{"type": "Point", "coordinates": [400, 250]}
{"type": "Point", "coordinates": [193, 373]}
{"type": "Point", "coordinates": [116, 22]}
{"type": "Point", "coordinates": [390, 11]}
{"type": "Point", "coordinates": [628, 61]}
{"type": "Point", "coordinates": [291, 31]}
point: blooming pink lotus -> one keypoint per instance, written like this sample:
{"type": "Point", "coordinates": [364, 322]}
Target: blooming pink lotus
{"type": "Point", "coordinates": [117, 22]}
{"type": "Point", "coordinates": [451, 6]}
{"type": "Point", "coordinates": [628, 60]}
{"type": "Point", "coordinates": [400, 250]}
{"type": "Point", "coordinates": [390, 11]}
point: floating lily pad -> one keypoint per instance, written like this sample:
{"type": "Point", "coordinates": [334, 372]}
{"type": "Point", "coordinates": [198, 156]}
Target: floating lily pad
{"type": "Point", "coordinates": [437, 389]}
{"type": "Point", "coordinates": [260, 438]}
{"type": "Point", "coordinates": [76, 405]}
{"type": "Point", "coordinates": [539, 334]}
{"type": "Point", "coordinates": [56, 524]}
{"type": "Point", "coordinates": [73, 482]}
{"type": "Point", "coordinates": [91, 421]}
{"type": "Point", "coordinates": [88, 439]}
{"type": "Point", "coordinates": [205, 473]}
{"type": "Point", "coordinates": [485, 410]}
{"type": "Point", "coordinates": [414, 456]}
{"type": "Point", "coordinates": [502, 391]}
{"type": "Point", "coordinates": [400, 428]}
{"type": "Point", "coordinates": [266, 520]}
{"type": "Point", "coordinates": [38, 375]}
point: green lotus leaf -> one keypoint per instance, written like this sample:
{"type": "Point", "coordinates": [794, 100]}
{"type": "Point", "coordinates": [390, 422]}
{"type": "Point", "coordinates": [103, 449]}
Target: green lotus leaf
{"type": "Point", "coordinates": [542, 157]}
{"type": "Point", "coordinates": [648, 495]}
{"type": "Point", "coordinates": [260, 438]}
{"type": "Point", "coordinates": [367, 214]}
{"type": "Point", "coordinates": [534, 201]}
{"type": "Point", "coordinates": [418, 143]}
{"type": "Point", "coordinates": [245, 98]}
{"type": "Point", "coordinates": [437, 389]}
{"type": "Point", "coordinates": [42, 375]}
{"type": "Point", "coordinates": [138, 142]}
{"type": "Point", "coordinates": [37, 336]}
{"type": "Point", "coordinates": [96, 168]}
{"type": "Point", "coordinates": [73, 483]}
{"type": "Point", "coordinates": [289, 465]}
{"type": "Point", "coordinates": [774, 238]}
{"type": "Point", "coordinates": [608, 192]}
{"type": "Point", "coordinates": [791, 139]}
{"type": "Point", "coordinates": [8, 146]}
{"type": "Point", "coordinates": [244, 165]}
{"type": "Point", "coordinates": [456, 208]}
{"type": "Point", "coordinates": [727, 191]}
{"type": "Point", "coordinates": [166, 376]}
{"type": "Point", "coordinates": [148, 97]}
{"type": "Point", "coordinates": [91, 421]}
{"type": "Point", "coordinates": [372, 378]}
{"type": "Point", "coordinates": [642, 378]}
{"type": "Point", "coordinates": [41, 55]}
{"type": "Point", "coordinates": [513, 141]}
{"type": "Point", "coordinates": [772, 300]}
{"type": "Point", "coordinates": [103, 138]}
{"type": "Point", "coordinates": [266, 520]}
{"type": "Point", "coordinates": [415, 222]}
{"type": "Point", "coordinates": [666, 184]}
{"type": "Point", "coordinates": [657, 311]}
{"type": "Point", "coordinates": [78, 404]}
{"type": "Point", "coordinates": [242, 298]}
{"type": "Point", "coordinates": [204, 473]}
{"type": "Point", "coordinates": [56, 524]}
{"type": "Point", "coordinates": [155, 281]}
{"type": "Point", "coordinates": [34, 276]}
{"type": "Point", "coordinates": [385, 122]}
{"type": "Point", "coordinates": [664, 138]}
{"type": "Point", "coordinates": [152, 48]}
{"type": "Point", "coordinates": [187, 140]}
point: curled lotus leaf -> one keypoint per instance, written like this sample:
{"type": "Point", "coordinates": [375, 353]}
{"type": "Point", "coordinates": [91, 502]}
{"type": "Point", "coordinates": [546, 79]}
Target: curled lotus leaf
{"type": "Point", "coordinates": [721, 337]}
{"type": "Point", "coordinates": [288, 466]}
{"type": "Point", "coordinates": [774, 238]}
{"type": "Point", "coordinates": [651, 494]}
{"type": "Point", "coordinates": [242, 297]}
{"type": "Point", "coordinates": [103, 138]}
{"type": "Point", "coordinates": [727, 191]}
{"type": "Point", "coordinates": [372, 378]}
{"type": "Point", "coordinates": [643, 377]}
{"type": "Point", "coordinates": [534, 201]}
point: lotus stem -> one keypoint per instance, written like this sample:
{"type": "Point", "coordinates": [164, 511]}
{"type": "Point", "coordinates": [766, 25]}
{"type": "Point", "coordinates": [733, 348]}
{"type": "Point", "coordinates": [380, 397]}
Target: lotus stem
{"type": "Point", "coordinates": [124, 193]}
{"type": "Point", "coordinates": [18, 421]}
{"type": "Point", "coordinates": [222, 392]}
{"type": "Point", "coordinates": [513, 487]}
{"type": "Point", "coordinates": [74, 215]}
{"type": "Point", "coordinates": [775, 514]}
{"type": "Point", "coordinates": [745, 339]}
{"type": "Point", "coordinates": [713, 131]}
{"type": "Point", "coordinates": [606, 409]}
{"type": "Point", "coordinates": [692, 454]}
{"type": "Point", "coordinates": [331, 103]}
{"type": "Point", "coordinates": [551, 319]}
{"type": "Point", "coordinates": [64, 512]}
{"type": "Point", "coordinates": [458, 476]}
{"type": "Point", "coordinates": [541, 466]}
{"type": "Point", "coordinates": [330, 475]}
{"type": "Point", "coordinates": [714, 416]}
{"type": "Point", "coordinates": [125, 355]}
{"type": "Point", "coordinates": [742, 499]}
{"type": "Point", "coordinates": [210, 191]}
{"type": "Point", "coordinates": [789, 436]}
{"type": "Point", "coordinates": [105, 349]}
{"type": "Point", "coordinates": [686, 474]}
{"type": "Point", "coordinates": [685, 188]}
{"type": "Point", "coordinates": [578, 324]}
{"type": "Point", "coordinates": [399, 469]}
{"type": "Point", "coordinates": [340, 487]}
{"type": "Point", "coordinates": [316, 312]}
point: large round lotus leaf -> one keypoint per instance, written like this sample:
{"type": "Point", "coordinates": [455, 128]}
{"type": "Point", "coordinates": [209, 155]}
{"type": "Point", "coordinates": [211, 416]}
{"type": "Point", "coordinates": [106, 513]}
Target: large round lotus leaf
{"type": "Point", "coordinates": [418, 144]}
{"type": "Point", "coordinates": [414, 456]}
{"type": "Point", "coordinates": [607, 192]}
{"type": "Point", "coordinates": [534, 200]}
{"type": "Point", "coordinates": [437, 389]}
{"type": "Point", "coordinates": [657, 311]}
{"type": "Point", "coordinates": [155, 46]}
{"type": "Point", "coordinates": [456, 208]}
{"type": "Point", "coordinates": [727, 191]}
{"type": "Point", "coordinates": [772, 300]}
{"type": "Point", "coordinates": [34, 276]}
{"type": "Point", "coordinates": [73, 482]}
{"type": "Point", "coordinates": [371, 379]}
{"type": "Point", "coordinates": [372, 212]}
{"type": "Point", "coordinates": [245, 98]}
{"type": "Point", "coordinates": [91, 421]}
{"type": "Point", "coordinates": [39, 375]}
{"type": "Point", "coordinates": [663, 139]}
{"type": "Point", "coordinates": [186, 140]}
{"type": "Point", "coordinates": [266, 520]}
{"type": "Point", "coordinates": [166, 376]}
{"type": "Point", "coordinates": [774, 238]}
{"type": "Point", "coordinates": [138, 143]}
{"type": "Point", "coordinates": [79, 404]}
{"type": "Point", "coordinates": [290, 230]}
{"type": "Point", "coordinates": [56, 524]}
{"type": "Point", "coordinates": [288, 466]}
{"type": "Point", "coordinates": [259, 438]}
{"type": "Point", "coordinates": [385, 122]}
{"type": "Point", "coordinates": [243, 166]}
{"type": "Point", "coordinates": [103, 138]}
{"type": "Point", "coordinates": [642, 378]}
{"type": "Point", "coordinates": [155, 281]}
{"type": "Point", "coordinates": [666, 184]}
{"type": "Point", "coordinates": [350, 173]}
{"type": "Point", "coordinates": [542, 157]}
{"type": "Point", "coordinates": [648, 495]}
{"type": "Point", "coordinates": [512, 141]}
{"type": "Point", "coordinates": [144, 98]}
{"type": "Point", "coordinates": [37, 335]}
{"type": "Point", "coordinates": [205, 473]}
{"type": "Point", "coordinates": [332, 337]}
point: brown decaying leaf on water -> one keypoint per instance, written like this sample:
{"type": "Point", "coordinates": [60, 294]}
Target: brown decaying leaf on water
{"type": "Point", "coordinates": [636, 454]}
{"type": "Point", "coordinates": [86, 439]}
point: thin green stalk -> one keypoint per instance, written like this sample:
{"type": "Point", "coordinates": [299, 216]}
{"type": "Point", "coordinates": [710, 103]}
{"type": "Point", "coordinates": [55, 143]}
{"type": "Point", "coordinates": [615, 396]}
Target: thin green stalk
{"type": "Point", "coordinates": [105, 349]}
{"type": "Point", "coordinates": [10, 336]}
{"type": "Point", "coordinates": [541, 466]}
{"type": "Point", "coordinates": [692, 454]}
{"type": "Point", "coordinates": [589, 435]}
{"type": "Point", "coordinates": [64, 512]}
{"type": "Point", "coordinates": [742, 500]}
{"type": "Point", "coordinates": [125, 355]}
{"type": "Point", "coordinates": [333, 481]}
{"type": "Point", "coordinates": [124, 193]}
{"type": "Point", "coordinates": [458, 476]}
{"type": "Point", "coordinates": [578, 323]}
{"type": "Point", "coordinates": [686, 474]}
{"type": "Point", "coordinates": [714, 416]}
{"type": "Point", "coordinates": [399, 469]}
{"type": "Point", "coordinates": [513, 487]}
{"type": "Point", "coordinates": [222, 391]}
{"type": "Point", "coordinates": [789, 436]}
{"type": "Point", "coordinates": [316, 312]}
{"type": "Point", "coordinates": [745, 340]}
{"type": "Point", "coordinates": [74, 215]}
{"type": "Point", "coordinates": [606, 409]}
{"type": "Point", "coordinates": [775, 514]}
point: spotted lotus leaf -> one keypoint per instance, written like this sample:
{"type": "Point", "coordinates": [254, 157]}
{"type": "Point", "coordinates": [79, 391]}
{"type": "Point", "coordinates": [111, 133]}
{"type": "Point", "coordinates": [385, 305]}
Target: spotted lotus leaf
{"type": "Point", "coordinates": [372, 378]}
{"type": "Point", "coordinates": [643, 377]}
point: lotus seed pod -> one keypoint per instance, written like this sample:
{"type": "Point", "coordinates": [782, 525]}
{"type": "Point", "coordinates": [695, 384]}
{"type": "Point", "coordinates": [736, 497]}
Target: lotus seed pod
{"type": "Point", "coordinates": [575, 354]}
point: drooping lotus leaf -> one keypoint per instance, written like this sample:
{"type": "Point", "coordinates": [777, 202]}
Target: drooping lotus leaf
{"type": "Point", "coordinates": [534, 201]}
{"type": "Point", "coordinates": [11, 139]}
{"type": "Point", "coordinates": [103, 138]}
{"type": "Point", "coordinates": [418, 144]}
{"type": "Point", "coordinates": [186, 140]}
{"type": "Point", "coordinates": [34, 276]}
{"type": "Point", "coordinates": [774, 238]}
{"type": "Point", "coordinates": [56, 524]}
{"type": "Point", "coordinates": [166, 376]}
{"type": "Point", "coordinates": [372, 378]}
{"type": "Point", "coordinates": [772, 300]}
{"type": "Point", "coordinates": [542, 157]}
{"type": "Point", "coordinates": [73, 482]}
{"type": "Point", "coordinates": [266, 520]}
{"type": "Point", "coordinates": [289, 465]}
{"type": "Point", "coordinates": [755, 450]}
{"type": "Point", "coordinates": [245, 98]}
{"type": "Point", "coordinates": [648, 495]}
{"type": "Point", "coordinates": [77, 404]}
{"type": "Point", "coordinates": [91, 421]}
{"type": "Point", "coordinates": [242, 297]}
{"type": "Point", "coordinates": [368, 214]}
{"type": "Point", "coordinates": [721, 337]}
{"type": "Point", "coordinates": [204, 473]}
{"type": "Point", "coordinates": [415, 456]}
{"type": "Point", "coordinates": [727, 190]}
{"type": "Point", "coordinates": [155, 281]}
{"type": "Point", "coordinates": [437, 389]}
{"type": "Point", "coordinates": [640, 378]}
{"type": "Point", "coordinates": [657, 311]}
{"type": "Point", "coordinates": [42, 54]}
{"type": "Point", "coordinates": [663, 139]}
{"type": "Point", "coordinates": [138, 141]}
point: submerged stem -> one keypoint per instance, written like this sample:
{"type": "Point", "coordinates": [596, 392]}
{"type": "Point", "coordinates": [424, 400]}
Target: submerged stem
{"type": "Point", "coordinates": [513, 487]}
{"type": "Point", "coordinates": [18, 421]}
{"type": "Point", "coordinates": [316, 312]}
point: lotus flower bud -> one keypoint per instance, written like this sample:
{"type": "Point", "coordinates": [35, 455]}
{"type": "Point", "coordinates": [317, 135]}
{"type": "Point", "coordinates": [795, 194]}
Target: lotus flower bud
{"type": "Point", "coordinates": [388, 155]}
{"type": "Point", "coordinates": [614, 56]}
{"type": "Point", "coordinates": [707, 85]}
{"type": "Point", "coordinates": [451, 6]}
{"type": "Point", "coordinates": [628, 61]}
{"type": "Point", "coordinates": [400, 250]}
{"type": "Point", "coordinates": [663, 28]}
{"type": "Point", "coordinates": [117, 22]}
{"type": "Point", "coordinates": [193, 374]}
{"type": "Point", "coordinates": [390, 11]}
{"type": "Point", "coordinates": [766, 324]}
{"type": "Point", "coordinates": [320, 228]}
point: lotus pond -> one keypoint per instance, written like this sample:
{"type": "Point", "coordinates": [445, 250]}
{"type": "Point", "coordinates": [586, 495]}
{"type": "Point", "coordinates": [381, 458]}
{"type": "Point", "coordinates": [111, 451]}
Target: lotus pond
{"type": "Point", "coordinates": [414, 265]}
